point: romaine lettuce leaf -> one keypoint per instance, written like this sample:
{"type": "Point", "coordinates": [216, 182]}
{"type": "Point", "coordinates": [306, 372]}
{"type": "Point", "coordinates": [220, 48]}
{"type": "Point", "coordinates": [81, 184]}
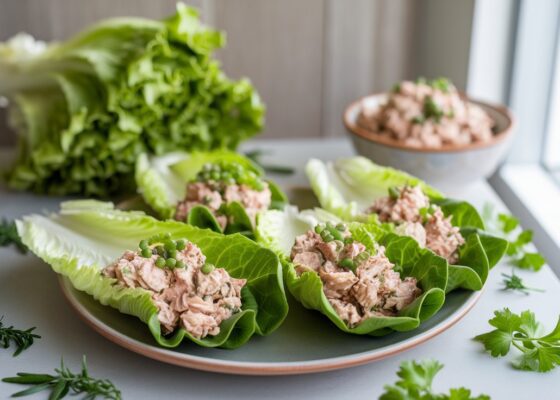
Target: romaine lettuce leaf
{"type": "Point", "coordinates": [85, 108]}
{"type": "Point", "coordinates": [162, 181]}
{"type": "Point", "coordinates": [278, 229]}
{"type": "Point", "coordinates": [349, 186]}
{"type": "Point", "coordinates": [85, 236]}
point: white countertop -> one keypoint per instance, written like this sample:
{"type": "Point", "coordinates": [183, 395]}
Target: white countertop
{"type": "Point", "coordinates": [30, 296]}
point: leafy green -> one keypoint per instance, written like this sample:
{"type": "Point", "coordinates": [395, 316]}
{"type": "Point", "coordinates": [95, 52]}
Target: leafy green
{"type": "Point", "coordinates": [347, 187]}
{"type": "Point", "coordinates": [65, 381]}
{"type": "Point", "coordinates": [505, 225]}
{"type": "Point", "coordinates": [9, 235]}
{"type": "Point", "coordinates": [514, 282]}
{"type": "Point", "coordinates": [87, 107]}
{"type": "Point", "coordinates": [415, 383]}
{"type": "Point", "coordinates": [538, 352]}
{"type": "Point", "coordinates": [162, 182]}
{"type": "Point", "coordinates": [278, 229]}
{"type": "Point", "coordinates": [87, 235]}
{"type": "Point", "coordinates": [22, 339]}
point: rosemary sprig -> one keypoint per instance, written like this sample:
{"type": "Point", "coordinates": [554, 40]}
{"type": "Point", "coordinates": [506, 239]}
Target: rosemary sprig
{"type": "Point", "coordinates": [514, 282]}
{"type": "Point", "coordinates": [65, 381]}
{"type": "Point", "coordinates": [22, 339]}
{"type": "Point", "coordinates": [255, 156]}
{"type": "Point", "coordinates": [9, 235]}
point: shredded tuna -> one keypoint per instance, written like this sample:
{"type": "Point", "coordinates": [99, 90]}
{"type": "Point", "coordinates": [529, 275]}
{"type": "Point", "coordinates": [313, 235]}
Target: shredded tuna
{"type": "Point", "coordinates": [358, 285]}
{"type": "Point", "coordinates": [191, 297]}
{"type": "Point", "coordinates": [433, 230]}
{"type": "Point", "coordinates": [217, 193]}
{"type": "Point", "coordinates": [427, 114]}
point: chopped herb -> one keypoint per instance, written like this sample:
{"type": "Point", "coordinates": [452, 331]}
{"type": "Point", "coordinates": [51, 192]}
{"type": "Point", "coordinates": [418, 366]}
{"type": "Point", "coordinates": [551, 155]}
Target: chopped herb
{"type": "Point", "coordinates": [64, 382]}
{"type": "Point", "coordinates": [514, 282]}
{"type": "Point", "coordinates": [394, 192]}
{"type": "Point", "coordinates": [415, 383]}
{"type": "Point", "coordinates": [21, 339]}
{"type": "Point", "coordinates": [396, 88]}
{"type": "Point", "coordinates": [9, 235]}
{"type": "Point", "coordinates": [522, 331]}
{"type": "Point", "coordinates": [419, 119]}
{"type": "Point", "coordinates": [207, 268]}
{"type": "Point", "coordinates": [431, 109]}
{"type": "Point", "coordinates": [442, 84]}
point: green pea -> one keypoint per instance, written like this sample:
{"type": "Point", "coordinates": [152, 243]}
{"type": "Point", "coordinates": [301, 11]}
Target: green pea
{"type": "Point", "coordinates": [347, 263]}
{"type": "Point", "coordinates": [160, 250]}
{"type": "Point", "coordinates": [335, 233]}
{"type": "Point", "coordinates": [170, 262]}
{"type": "Point", "coordinates": [172, 253]}
{"type": "Point", "coordinates": [340, 227]}
{"type": "Point", "coordinates": [146, 253]}
{"type": "Point", "coordinates": [207, 268]}
{"type": "Point", "coordinates": [180, 264]}
{"type": "Point", "coordinates": [143, 244]}
{"type": "Point", "coordinates": [180, 244]}
{"type": "Point", "coordinates": [394, 192]}
{"type": "Point", "coordinates": [160, 262]}
{"type": "Point", "coordinates": [319, 228]}
{"type": "Point", "coordinates": [170, 245]}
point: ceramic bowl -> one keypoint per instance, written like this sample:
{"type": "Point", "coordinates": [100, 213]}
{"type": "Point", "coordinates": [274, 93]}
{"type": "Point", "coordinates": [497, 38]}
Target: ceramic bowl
{"type": "Point", "coordinates": [445, 166]}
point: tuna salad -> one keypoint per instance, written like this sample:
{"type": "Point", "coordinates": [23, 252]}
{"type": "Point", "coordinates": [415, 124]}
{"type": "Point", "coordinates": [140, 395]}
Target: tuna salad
{"type": "Point", "coordinates": [358, 284]}
{"type": "Point", "coordinates": [428, 114]}
{"type": "Point", "coordinates": [410, 210]}
{"type": "Point", "coordinates": [219, 184]}
{"type": "Point", "coordinates": [189, 292]}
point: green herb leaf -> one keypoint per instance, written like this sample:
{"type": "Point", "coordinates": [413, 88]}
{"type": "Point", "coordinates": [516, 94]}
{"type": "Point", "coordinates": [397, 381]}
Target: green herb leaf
{"type": "Point", "coordinates": [507, 222]}
{"type": "Point", "coordinates": [64, 381]}
{"type": "Point", "coordinates": [9, 235]}
{"type": "Point", "coordinates": [522, 331]}
{"type": "Point", "coordinates": [415, 383]}
{"type": "Point", "coordinates": [514, 282]}
{"type": "Point", "coordinates": [532, 261]}
{"type": "Point", "coordinates": [21, 339]}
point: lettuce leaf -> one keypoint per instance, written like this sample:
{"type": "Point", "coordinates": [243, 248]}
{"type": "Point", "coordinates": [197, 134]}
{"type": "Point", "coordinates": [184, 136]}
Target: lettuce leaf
{"type": "Point", "coordinates": [278, 229]}
{"type": "Point", "coordinates": [162, 182]}
{"type": "Point", "coordinates": [87, 235]}
{"type": "Point", "coordinates": [87, 107]}
{"type": "Point", "coordinates": [348, 186]}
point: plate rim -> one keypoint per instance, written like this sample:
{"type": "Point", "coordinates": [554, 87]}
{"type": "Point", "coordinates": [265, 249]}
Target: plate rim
{"type": "Point", "coordinates": [260, 368]}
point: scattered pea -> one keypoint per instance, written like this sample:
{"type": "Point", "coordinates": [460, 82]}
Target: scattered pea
{"type": "Point", "coordinates": [146, 253]}
{"type": "Point", "coordinates": [207, 268]}
{"type": "Point", "coordinates": [347, 263]}
{"type": "Point", "coordinates": [172, 253]}
{"type": "Point", "coordinates": [180, 244]}
{"type": "Point", "coordinates": [160, 262]}
{"type": "Point", "coordinates": [170, 262]}
{"type": "Point", "coordinates": [340, 227]}
{"type": "Point", "coordinates": [169, 245]}
{"type": "Point", "coordinates": [143, 244]}
{"type": "Point", "coordinates": [180, 264]}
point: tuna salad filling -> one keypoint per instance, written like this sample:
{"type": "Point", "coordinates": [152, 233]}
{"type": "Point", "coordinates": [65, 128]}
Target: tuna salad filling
{"type": "Point", "coordinates": [188, 292]}
{"type": "Point", "coordinates": [427, 114]}
{"type": "Point", "coordinates": [410, 210]}
{"type": "Point", "coordinates": [358, 284]}
{"type": "Point", "coordinates": [220, 184]}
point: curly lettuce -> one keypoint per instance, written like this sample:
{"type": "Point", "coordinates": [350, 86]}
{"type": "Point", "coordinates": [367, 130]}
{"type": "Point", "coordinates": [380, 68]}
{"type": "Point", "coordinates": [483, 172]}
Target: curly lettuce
{"type": "Point", "coordinates": [87, 235]}
{"type": "Point", "coordinates": [162, 182]}
{"type": "Point", "coordinates": [85, 108]}
{"type": "Point", "coordinates": [347, 187]}
{"type": "Point", "coordinates": [278, 229]}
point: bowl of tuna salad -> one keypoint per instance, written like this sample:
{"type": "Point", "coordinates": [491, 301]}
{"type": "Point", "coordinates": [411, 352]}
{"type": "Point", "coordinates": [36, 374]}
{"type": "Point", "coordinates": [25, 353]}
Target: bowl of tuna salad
{"type": "Point", "coordinates": [430, 129]}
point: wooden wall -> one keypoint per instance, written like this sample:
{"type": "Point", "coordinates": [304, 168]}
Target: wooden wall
{"type": "Point", "coordinates": [308, 58]}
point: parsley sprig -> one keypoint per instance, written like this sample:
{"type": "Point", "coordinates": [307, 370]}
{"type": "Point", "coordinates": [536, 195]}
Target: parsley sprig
{"type": "Point", "coordinates": [522, 332]}
{"type": "Point", "coordinates": [9, 235]}
{"type": "Point", "coordinates": [416, 383]}
{"type": "Point", "coordinates": [21, 339]}
{"type": "Point", "coordinates": [65, 381]}
{"type": "Point", "coordinates": [514, 282]}
{"type": "Point", "coordinates": [505, 225]}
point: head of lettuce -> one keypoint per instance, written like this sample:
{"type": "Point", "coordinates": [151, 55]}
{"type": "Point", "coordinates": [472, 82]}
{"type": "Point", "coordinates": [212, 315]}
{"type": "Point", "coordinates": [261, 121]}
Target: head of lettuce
{"type": "Point", "coordinates": [85, 108]}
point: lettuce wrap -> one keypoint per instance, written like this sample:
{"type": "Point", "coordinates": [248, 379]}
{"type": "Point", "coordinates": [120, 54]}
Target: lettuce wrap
{"type": "Point", "coordinates": [162, 182]}
{"type": "Point", "coordinates": [86, 235]}
{"type": "Point", "coordinates": [346, 187]}
{"type": "Point", "coordinates": [278, 229]}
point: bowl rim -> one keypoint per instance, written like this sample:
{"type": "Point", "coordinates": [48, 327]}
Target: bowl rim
{"type": "Point", "coordinates": [498, 137]}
